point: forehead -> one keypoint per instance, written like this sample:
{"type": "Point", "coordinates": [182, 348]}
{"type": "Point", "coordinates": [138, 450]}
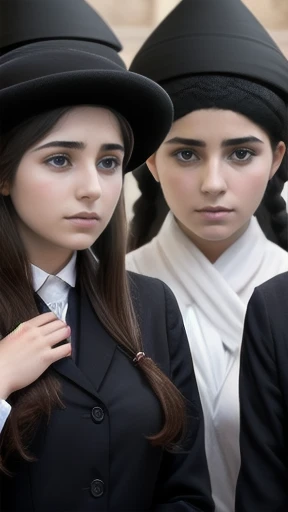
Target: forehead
{"type": "Point", "coordinates": [221, 123]}
{"type": "Point", "coordinates": [91, 123]}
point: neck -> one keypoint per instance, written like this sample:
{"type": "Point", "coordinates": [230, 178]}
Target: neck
{"type": "Point", "coordinates": [51, 261]}
{"type": "Point", "coordinates": [51, 265]}
{"type": "Point", "coordinates": [43, 254]}
{"type": "Point", "coordinates": [212, 249]}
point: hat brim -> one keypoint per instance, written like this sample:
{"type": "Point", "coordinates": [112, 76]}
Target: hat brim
{"type": "Point", "coordinates": [143, 103]}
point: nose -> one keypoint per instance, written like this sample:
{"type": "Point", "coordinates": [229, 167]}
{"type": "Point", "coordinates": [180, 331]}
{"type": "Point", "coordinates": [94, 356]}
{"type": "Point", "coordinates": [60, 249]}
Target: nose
{"type": "Point", "coordinates": [212, 179]}
{"type": "Point", "coordinates": [89, 185]}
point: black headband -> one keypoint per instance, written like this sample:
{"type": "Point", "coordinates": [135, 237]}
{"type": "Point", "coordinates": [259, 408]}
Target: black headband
{"type": "Point", "coordinates": [251, 99]}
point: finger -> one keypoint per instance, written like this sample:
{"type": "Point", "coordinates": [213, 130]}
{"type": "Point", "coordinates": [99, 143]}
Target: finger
{"type": "Point", "coordinates": [57, 336]}
{"type": "Point", "coordinates": [43, 319]}
{"type": "Point", "coordinates": [60, 352]}
{"type": "Point", "coordinates": [47, 329]}
{"type": "Point", "coordinates": [37, 321]}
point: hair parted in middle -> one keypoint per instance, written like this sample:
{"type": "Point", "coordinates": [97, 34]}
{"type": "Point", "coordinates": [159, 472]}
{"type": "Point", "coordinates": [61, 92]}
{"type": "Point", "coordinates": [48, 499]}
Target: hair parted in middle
{"type": "Point", "coordinates": [101, 276]}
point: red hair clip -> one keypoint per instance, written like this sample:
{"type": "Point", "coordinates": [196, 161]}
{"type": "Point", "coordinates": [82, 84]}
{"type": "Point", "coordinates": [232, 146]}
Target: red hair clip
{"type": "Point", "coordinates": [138, 357]}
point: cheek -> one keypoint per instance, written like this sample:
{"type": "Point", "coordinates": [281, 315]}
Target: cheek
{"type": "Point", "coordinates": [111, 190]}
{"type": "Point", "coordinates": [251, 186]}
{"type": "Point", "coordinates": [38, 195]}
{"type": "Point", "coordinates": [179, 187]}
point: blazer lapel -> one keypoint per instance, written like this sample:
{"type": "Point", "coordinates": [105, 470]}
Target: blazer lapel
{"type": "Point", "coordinates": [96, 347]}
{"type": "Point", "coordinates": [66, 366]}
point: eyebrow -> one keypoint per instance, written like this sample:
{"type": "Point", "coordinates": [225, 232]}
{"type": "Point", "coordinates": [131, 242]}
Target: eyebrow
{"type": "Point", "coordinates": [186, 142]}
{"type": "Point", "coordinates": [241, 140]}
{"type": "Point", "coordinates": [78, 145]}
{"type": "Point", "coordinates": [225, 143]}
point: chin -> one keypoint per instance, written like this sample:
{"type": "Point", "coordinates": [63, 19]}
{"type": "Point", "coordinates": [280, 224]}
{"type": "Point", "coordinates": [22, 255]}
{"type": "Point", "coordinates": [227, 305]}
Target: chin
{"type": "Point", "coordinates": [84, 245]}
{"type": "Point", "coordinates": [81, 244]}
{"type": "Point", "coordinates": [81, 247]}
{"type": "Point", "coordinates": [216, 234]}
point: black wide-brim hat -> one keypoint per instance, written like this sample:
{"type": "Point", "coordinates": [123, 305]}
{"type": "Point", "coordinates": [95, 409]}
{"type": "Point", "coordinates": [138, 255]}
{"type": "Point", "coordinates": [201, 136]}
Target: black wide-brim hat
{"type": "Point", "coordinates": [32, 82]}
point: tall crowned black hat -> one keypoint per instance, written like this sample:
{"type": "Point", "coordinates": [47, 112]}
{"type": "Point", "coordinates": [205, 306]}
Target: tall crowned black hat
{"type": "Point", "coordinates": [212, 36]}
{"type": "Point", "coordinates": [71, 24]}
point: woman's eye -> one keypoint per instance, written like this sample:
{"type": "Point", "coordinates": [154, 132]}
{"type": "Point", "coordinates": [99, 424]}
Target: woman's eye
{"type": "Point", "coordinates": [242, 155]}
{"type": "Point", "coordinates": [58, 161]}
{"type": "Point", "coordinates": [108, 164]}
{"type": "Point", "coordinates": [186, 155]}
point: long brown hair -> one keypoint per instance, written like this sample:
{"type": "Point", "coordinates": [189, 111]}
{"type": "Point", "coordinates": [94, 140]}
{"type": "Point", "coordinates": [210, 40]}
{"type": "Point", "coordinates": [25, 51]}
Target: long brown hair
{"type": "Point", "coordinates": [104, 280]}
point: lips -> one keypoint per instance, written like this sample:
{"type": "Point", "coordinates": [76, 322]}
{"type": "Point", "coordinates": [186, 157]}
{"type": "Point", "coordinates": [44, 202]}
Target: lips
{"type": "Point", "coordinates": [84, 215]}
{"type": "Point", "coordinates": [214, 213]}
{"type": "Point", "coordinates": [214, 209]}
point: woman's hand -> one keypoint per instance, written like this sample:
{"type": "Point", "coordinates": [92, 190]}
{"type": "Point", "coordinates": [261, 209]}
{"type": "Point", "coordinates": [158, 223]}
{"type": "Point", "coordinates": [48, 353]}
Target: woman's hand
{"type": "Point", "coordinates": [29, 350]}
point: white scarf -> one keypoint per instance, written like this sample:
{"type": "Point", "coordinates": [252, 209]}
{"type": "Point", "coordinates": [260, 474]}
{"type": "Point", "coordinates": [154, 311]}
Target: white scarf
{"type": "Point", "coordinates": [213, 300]}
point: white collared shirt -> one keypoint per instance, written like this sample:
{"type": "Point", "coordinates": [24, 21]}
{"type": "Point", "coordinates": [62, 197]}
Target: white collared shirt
{"type": "Point", "coordinates": [54, 291]}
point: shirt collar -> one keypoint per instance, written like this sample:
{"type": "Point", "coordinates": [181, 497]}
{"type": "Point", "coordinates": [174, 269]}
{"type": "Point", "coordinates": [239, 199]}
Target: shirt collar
{"type": "Point", "coordinates": [67, 274]}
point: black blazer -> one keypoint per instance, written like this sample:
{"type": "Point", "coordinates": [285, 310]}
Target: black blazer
{"type": "Point", "coordinates": [94, 455]}
{"type": "Point", "coordinates": [263, 479]}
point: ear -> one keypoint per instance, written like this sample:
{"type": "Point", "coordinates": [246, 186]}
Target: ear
{"type": "Point", "coordinates": [5, 189]}
{"type": "Point", "coordinates": [151, 164]}
{"type": "Point", "coordinates": [277, 158]}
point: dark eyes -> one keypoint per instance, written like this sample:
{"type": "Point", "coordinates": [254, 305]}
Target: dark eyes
{"type": "Point", "coordinates": [242, 155]}
{"type": "Point", "coordinates": [238, 155]}
{"type": "Point", "coordinates": [108, 163]}
{"type": "Point", "coordinates": [186, 155]}
{"type": "Point", "coordinates": [63, 162]}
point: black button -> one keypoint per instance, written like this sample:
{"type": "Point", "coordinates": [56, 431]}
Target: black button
{"type": "Point", "coordinates": [97, 414]}
{"type": "Point", "coordinates": [97, 488]}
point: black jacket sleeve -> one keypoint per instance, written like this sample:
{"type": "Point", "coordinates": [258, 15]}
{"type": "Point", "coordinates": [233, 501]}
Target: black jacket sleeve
{"type": "Point", "coordinates": [184, 484]}
{"type": "Point", "coordinates": [263, 479]}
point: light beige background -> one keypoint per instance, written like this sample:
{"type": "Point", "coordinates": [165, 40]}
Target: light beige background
{"type": "Point", "coordinates": [134, 20]}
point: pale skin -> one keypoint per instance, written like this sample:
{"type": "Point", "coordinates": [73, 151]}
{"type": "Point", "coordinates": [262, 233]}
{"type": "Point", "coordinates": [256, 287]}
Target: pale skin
{"type": "Point", "coordinates": [77, 167]}
{"type": "Point", "coordinates": [215, 158]}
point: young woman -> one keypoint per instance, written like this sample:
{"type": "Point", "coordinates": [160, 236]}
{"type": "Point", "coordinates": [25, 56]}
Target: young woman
{"type": "Point", "coordinates": [263, 477]}
{"type": "Point", "coordinates": [227, 143]}
{"type": "Point", "coordinates": [99, 403]}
